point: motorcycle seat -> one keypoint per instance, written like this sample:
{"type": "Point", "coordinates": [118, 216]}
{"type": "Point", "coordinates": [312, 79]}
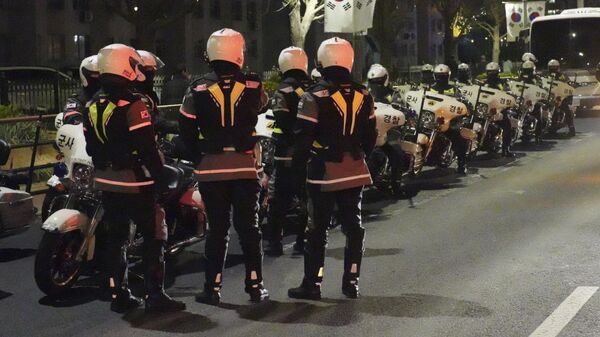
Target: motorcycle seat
{"type": "Point", "coordinates": [172, 177]}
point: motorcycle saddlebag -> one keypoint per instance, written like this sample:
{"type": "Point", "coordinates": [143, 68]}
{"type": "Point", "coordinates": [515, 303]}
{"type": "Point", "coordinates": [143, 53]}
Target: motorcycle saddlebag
{"type": "Point", "coordinates": [16, 209]}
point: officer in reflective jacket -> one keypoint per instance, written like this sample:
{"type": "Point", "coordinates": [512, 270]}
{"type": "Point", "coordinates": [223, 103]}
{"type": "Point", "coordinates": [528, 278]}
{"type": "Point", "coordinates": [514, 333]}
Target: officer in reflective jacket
{"type": "Point", "coordinates": [554, 71]}
{"type": "Point", "coordinates": [442, 86]}
{"type": "Point", "coordinates": [378, 83]}
{"type": "Point", "coordinates": [293, 63]}
{"type": "Point", "coordinates": [120, 141]}
{"type": "Point", "coordinates": [494, 81]}
{"type": "Point", "coordinates": [217, 120]}
{"type": "Point", "coordinates": [335, 130]}
{"type": "Point", "coordinates": [88, 73]}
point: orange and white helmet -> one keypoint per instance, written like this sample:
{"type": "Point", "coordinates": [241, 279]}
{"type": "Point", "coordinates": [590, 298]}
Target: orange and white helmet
{"type": "Point", "coordinates": [336, 52]}
{"type": "Point", "coordinates": [293, 58]}
{"type": "Point", "coordinates": [151, 61]}
{"type": "Point", "coordinates": [553, 65]}
{"type": "Point", "coordinates": [88, 69]}
{"type": "Point", "coordinates": [121, 60]}
{"type": "Point", "coordinates": [226, 45]}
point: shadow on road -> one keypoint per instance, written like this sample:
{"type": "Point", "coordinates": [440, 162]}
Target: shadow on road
{"type": "Point", "coordinates": [180, 322]}
{"type": "Point", "coordinates": [345, 312]}
{"type": "Point", "coordinates": [4, 294]}
{"type": "Point", "coordinates": [546, 145]}
{"type": "Point", "coordinates": [75, 296]}
{"type": "Point", "coordinates": [494, 160]}
{"type": "Point", "coordinates": [11, 254]}
{"type": "Point", "coordinates": [338, 253]}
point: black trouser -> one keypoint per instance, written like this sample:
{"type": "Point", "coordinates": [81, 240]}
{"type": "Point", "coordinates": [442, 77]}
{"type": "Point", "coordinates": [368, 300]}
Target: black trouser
{"type": "Point", "coordinates": [322, 206]}
{"type": "Point", "coordinates": [459, 145]}
{"type": "Point", "coordinates": [506, 127]}
{"type": "Point", "coordinates": [221, 199]}
{"type": "Point", "coordinates": [537, 113]}
{"type": "Point", "coordinates": [119, 209]}
{"type": "Point", "coordinates": [281, 198]}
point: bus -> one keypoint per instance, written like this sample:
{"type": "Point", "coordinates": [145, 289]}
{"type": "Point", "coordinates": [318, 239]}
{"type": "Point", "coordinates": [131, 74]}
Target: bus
{"type": "Point", "coordinates": [572, 38]}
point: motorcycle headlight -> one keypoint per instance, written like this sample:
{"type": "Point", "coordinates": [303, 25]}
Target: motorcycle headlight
{"type": "Point", "coordinates": [482, 109]}
{"type": "Point", "coordinates": [82, 176]}
{"type": "Point", "coordinates": [428, 120]}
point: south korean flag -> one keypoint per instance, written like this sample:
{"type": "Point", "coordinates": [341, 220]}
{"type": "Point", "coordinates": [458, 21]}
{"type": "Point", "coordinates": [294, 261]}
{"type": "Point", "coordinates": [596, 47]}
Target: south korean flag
{"type": "Point", "coordinates": [339, 16]}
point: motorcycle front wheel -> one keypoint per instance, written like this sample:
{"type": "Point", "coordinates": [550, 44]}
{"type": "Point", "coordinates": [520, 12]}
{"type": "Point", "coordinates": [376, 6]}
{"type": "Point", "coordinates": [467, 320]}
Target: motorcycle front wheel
{"type": "Point", "coordinates": [56, 268]}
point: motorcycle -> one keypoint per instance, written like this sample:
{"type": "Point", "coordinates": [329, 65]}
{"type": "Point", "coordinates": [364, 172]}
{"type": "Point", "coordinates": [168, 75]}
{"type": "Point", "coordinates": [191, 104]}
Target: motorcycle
{"type": "Point", "coordinates": [69, 242]}
{"type": "Point", "coordinates": [16, 207]}
{"type": "Point", "coordinates": [385, 160]}
{"type": "Point", "coordinates": [533, 112]}
{"type": "Point", "coordinates": [560, 99]}
{"type": "Point", "coordinates": [490, 106]}
{"type": "Point", "coordinates": [424, 140]}
{"type": "Point", "coordinates": [70, 142]}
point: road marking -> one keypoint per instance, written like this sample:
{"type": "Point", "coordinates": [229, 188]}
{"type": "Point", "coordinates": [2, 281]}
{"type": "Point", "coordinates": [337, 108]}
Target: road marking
{"type": "Point", "coordinates": [565, 312]}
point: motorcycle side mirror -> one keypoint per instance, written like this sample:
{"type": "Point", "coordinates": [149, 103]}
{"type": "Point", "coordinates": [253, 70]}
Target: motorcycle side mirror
{"type": "Point", "coordinates": [4, 151]}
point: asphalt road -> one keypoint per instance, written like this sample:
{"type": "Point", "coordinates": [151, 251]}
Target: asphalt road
{"type": "Point", "coordinates": [492, 254]}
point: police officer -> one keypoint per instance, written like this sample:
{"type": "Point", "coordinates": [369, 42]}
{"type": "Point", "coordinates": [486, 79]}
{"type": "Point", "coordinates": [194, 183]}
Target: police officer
{"type": "Point", "coordinates": [463, 76]}
{"type": "Point", "coordinates": [442, 86]}
{"type": "Point", "coordinates": [529, 57]}
{"type": "Point", "coordinates": [528, 76]}
{"type": "Point", "coordinates": [145, 88]}
{"type": "Point", "coordinates": [378, 82]}
{"type": "Point", "coordinates": [335, 130]}
{"type": "Point", "coordinates": [493, 81]}
{"type": "Point", "coordinates": [554, 71]}
{"type": "Point", "coordinates": [88, 73]}
{"type": "Point", "coordinates": [127, 165]}
{"type": "Point", "coordinates": [427, 78]}
{"type": "Point", "coordinates": [217, 120]}
{"type": "Point", "coordinates": [293, 64]}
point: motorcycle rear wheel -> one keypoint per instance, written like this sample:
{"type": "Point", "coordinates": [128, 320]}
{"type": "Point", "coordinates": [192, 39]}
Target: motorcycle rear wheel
{"type": "Point", "coordinates": [56, 269]}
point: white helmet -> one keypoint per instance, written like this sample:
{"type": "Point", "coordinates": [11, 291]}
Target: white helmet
{"type": "Point", "coordinates": [88, 69]}
{"type": "Point", "coordinates": [529, 57]}
{"type": "Point", "coordinates": [226, 45]}
{"type": "Point", "coordinates": [427, 67]}
{"type": "Point", "coordinates": [378, 72]}
{"type": "Point", "coordinates": [553, 65]}
{"type": "Point", "coordinates": [492, 67]}
{"type": "Point", "coordinates": [58, 120]}
{"type": "Point", "coordinates": [151, 61]}
{"type": "Point", "coordinates": [442, 69]}
{"type": "Point", "coordinates": [121, 60]}
{"type": "Point", "coordinates": [464, 67]}
{"type": "Point", "coordinates": [336, 52]}
{"type": "Point", "coordinates": [293, 58]}
{"type": "Point", "coordinates": [528, 65]}
{"type": "Point", "coordinates": [315, 75]}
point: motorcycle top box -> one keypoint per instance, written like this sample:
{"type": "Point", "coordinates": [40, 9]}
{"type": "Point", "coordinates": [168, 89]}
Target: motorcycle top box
{"type": "Point", "coordinates": [16, 209]}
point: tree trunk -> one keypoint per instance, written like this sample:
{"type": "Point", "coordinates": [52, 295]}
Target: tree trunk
{"type": "Point", "coordinates": [448, 43]}
{"type": "Point", "coordinates": [297, 31]}
{"type": "Point", "coordinates": [496, 44]}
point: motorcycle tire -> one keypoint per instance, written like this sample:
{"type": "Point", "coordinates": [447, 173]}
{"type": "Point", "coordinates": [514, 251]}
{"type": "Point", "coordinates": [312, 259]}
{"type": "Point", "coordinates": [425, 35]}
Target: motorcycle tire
{"type": "Point", "coordinates": [45, 272]}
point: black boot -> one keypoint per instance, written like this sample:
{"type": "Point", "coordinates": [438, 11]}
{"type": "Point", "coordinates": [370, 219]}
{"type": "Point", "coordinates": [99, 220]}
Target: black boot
{"type": "Point", "coordinates": [121, 298]}
{"type": "Point", "coordinates": [350, 287]}
{"type": "Point", "coordinates": [274, 249]}
{"type": "Point", "coordinates": [571, 131]}
{"type": "Point", "coordinates": [352, 261]}
{"type": "Point", "coordinates": [507, 153]}
{"type": "Point", "coordinates": [299, 245]}
{"type": "Point", "coordinates": [157, 300]}
{"type": "Point", "coordinates": [211, 295]}
{"type": "Point", "coordinates": [257, 293]}
{"type": "Point", "coordinates": [306, 291]}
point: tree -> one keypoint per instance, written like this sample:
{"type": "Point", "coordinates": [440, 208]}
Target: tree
{"type": "Point", "coordinates": [386, 31]}
{"type": "Point", "coordinates": [450, 11]}
{"type": "Point", "coordinates": [149, 16]}
{"type": "Point", "coordinates": [491, 20]}
{"type": "Point", "coordinates": [302, 15]}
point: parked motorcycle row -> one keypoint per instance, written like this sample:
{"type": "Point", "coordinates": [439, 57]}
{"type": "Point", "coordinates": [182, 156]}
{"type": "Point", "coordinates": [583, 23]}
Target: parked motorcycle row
{"type": "Point", "coordinates": [413, 130]}
{"type": "Point", "coordinates": [413, 133]}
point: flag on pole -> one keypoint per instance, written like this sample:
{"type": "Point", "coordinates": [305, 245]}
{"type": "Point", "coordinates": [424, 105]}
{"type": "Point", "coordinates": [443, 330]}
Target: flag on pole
{"type": "Point", "coordinates": [348, 16]}
{"type": "Point", "coordinates": [535, 9]}
{"type": "Point", "coordinates": [515, 20]}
